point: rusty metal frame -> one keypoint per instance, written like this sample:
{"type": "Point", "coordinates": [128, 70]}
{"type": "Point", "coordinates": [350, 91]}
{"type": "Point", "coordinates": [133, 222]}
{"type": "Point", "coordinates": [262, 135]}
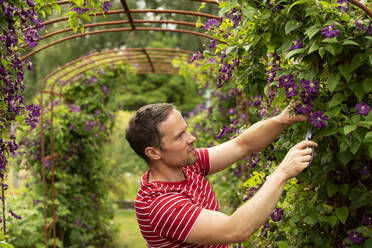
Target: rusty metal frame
{"type": "Point", "coordinates": [144, 56]}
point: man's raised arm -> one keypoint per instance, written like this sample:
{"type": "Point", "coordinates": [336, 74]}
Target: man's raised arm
{"type": "Point", "coordinates": [254, 139]}
{"type": "Point", "coordinates": [213, 227]}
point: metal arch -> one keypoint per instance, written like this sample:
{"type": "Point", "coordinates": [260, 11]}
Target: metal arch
{"type": "Point", "coordinates": [117, 30]}
{"type": "Point", "coordinates": [115, 51]}
{"type": "Point", "coordinates": [205, 1]}
{"type": "Point", "coordinates": [192, 24]}
{"type": "Point", "coordinates": [112, 12]}
{"type": "Point", "coordinates": [149, 61]}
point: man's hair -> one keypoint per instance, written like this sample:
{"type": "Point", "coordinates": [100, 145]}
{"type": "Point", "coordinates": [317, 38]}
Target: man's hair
{"type": "Point", "coordinates": [142, 130]}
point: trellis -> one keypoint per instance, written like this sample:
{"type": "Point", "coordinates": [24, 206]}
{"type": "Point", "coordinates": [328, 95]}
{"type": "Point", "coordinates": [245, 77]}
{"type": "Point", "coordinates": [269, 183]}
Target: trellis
{"type": "Point", "coordinates": [149, 60]}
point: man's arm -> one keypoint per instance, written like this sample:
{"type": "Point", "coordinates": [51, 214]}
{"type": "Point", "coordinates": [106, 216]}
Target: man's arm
{"type": "Point", "coordinates": [213, 227]}
{"type": "Point", "coordinates": [254, 139]}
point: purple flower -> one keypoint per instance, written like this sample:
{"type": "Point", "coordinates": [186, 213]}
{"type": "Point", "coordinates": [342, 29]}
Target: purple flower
{"type": "Point", "coordinates": [303, 108]}
{"type": "Point", "coordinates": [74, 108]}
{"type": "Point", "coordinates": [318, 119]}
{"type": "Point", "coordinates": [310, 88]}
{"type": "Point", "coordinates": [30, 3]}
{"type": "Point", "coordinates": [222, 133]}
{"type": "Point", "coordinates": [106, 6]}
{"type": "Point", "coordinates": [296, 44]}
{"type": "Point", "coordinates": [277, 214]}
{"type": "Point", "coordinates": [370, 29]}
{"type": "Point", "coordinates": [31, 37]}
{"type": "Point", "coordinates": [363, 170]}
{"type": "Point", "coordinates": [356, 238]}
{"type": "Point", "coordinates": [360, 26]}
{"type": "Point", "coordinates": [197, 55]}
{"type": "Point", "coordinates": [367, 219]}
{"type": "Point", "coordinates": [14, 214]}
{"type": "Point", "coordinates": [210, 23]}
{"type": "Point", "coordinates": [212, 44]}
{"type": "Point", "coordinates": [93, 79]}
{"type": "Point", "coordinates": [330, 31]}
{"type": "Point", "coordinates": [362, 108]}
{"type": "Point", "coordinates": [104, 90]}
{"type": "Point", "coordinates": [344, 5]}
{"type": "Point", "coordinates": [290, 90]}
{"type": "Point", "coordinates": [286, 80]}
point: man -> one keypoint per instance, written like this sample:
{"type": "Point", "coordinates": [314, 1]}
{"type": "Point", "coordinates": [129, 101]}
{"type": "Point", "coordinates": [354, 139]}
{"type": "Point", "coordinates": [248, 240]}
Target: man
{"type": "Point", "coordinates": [176, 206]}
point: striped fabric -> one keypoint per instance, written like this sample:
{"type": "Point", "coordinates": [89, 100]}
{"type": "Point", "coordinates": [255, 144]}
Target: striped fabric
{"type": "Point", "coordinates": [167, 211]}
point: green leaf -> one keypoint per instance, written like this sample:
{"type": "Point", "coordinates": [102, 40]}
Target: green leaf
{"type": "Point", "coordinates": [57, 8]}
{"type": "Point", "coordinates": [298, 2]}
{"type": "Point", "coordinates": [293, 52]}
{"type": "Point", "coordinates": [367, 85]}
{"type": "Point", "coordinates": [343, 189]}
{"type": "Point", "coordinates": [356, 62]}
{"type": "Point", "coordinates": [349, 128]}
{"type": "Point", "coordinates": [345, 157]}
{"type": "Point", "coordinates": [350, 42]}
{"type": "Point", "coordinates": [249, 12]}
{"type": "Point", "coordinates": [370, 59]}
{"type": "Point", "coordinates": [344, 69]}
{"type": "Point", "coordinates": [336, 100]}
{"type": "Point", "coordinates": [313, 30]}
{"type": "Point", "coordinates": [357, 90]}
{"type": "Point", "coordinates": [368, 138]}
{"type": "Point", "coordinates": [292, 25]}
{"type": "Point", "coordinates": [333, 80]}
{"type": "Point", "coordinates": [331, 189]}
{"type": "Point", "coordinates": [332, 220]}
{"type": "Point", "coordinates": [355, 146]}
{"type": "Point", "coordinates": [282, 244]}
{"type": "Point", "coordinates": [330, 40]}
{"type": "Point", "coordinates": [231, 49]}
{"type": "Point", "coordinates": [207, 54]}
{"type": "Point", "coordinates": [330, 49]}
{"type": "Point", "coordinates": [321, 52]}
{"type": "Point", "coordinates": [313, 47]}
{"type": "Point", "coordinates": [342, 213]}
{"type": "Point", "coordinates": [310, 220]}
{"type": "Point", "coordinates": [343, 147]}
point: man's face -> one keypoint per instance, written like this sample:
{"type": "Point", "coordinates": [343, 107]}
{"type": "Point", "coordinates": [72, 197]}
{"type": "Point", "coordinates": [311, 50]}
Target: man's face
{"type": "Point", "coordinates": [177, 145]}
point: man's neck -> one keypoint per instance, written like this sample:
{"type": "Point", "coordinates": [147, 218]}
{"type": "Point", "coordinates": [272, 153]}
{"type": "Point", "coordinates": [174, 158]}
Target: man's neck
{"type": "Point", "coordinates": [166, 174]}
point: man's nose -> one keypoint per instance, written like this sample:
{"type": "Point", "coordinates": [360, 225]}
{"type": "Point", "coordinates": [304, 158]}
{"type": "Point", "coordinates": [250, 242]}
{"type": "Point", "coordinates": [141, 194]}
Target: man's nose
{"type": "Point", "coordinates": [191, 139]}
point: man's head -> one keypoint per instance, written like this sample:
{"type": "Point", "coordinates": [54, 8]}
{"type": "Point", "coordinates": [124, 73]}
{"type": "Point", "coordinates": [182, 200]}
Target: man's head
{"type": "Point", "coordinates": [158, 132]}
{"type": "Point", "coordinates": [142, 130]}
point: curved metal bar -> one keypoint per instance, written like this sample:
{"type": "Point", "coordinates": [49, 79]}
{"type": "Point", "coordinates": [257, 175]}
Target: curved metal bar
{"type": "Point", "coordinates": [120, 22]}
{"type": "Point", "coordinates": [109, 52]}
{"type": "Point", "coordinates": [159, 11]}
{"type": "Point", "coordinates": [112, 58]}
{"type": "Point", "coordinates": [205, 1]}
{"type": "Point", "coordinates": [362, 6]}
{"type": "Point", "coordinates": [119, 30]}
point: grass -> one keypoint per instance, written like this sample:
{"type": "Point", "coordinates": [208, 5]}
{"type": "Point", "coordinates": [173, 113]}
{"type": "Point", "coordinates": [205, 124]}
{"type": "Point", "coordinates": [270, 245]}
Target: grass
{"type": "Point", "coordinates": [129, 235]}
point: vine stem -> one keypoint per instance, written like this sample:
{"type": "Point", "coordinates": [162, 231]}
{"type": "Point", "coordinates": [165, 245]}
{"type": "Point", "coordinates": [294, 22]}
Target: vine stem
{"type": "Point", "coordinates": [362, 6]}
{"type": "Point", "coordinates": [3, 201]}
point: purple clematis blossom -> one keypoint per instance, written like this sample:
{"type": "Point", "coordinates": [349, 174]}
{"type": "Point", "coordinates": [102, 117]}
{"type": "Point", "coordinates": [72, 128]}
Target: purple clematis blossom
{"type": "Point", "coordinates": [318, 119]}
{"type": "Point", "coordinates": [197, 55]}
{"type": "Point", "coordinates": [303, 108]}
{"type": "Point", "coordinates": [296, 44]}
{"type": "Point", "coordinates": [277, 214]}
{"type": "Point", "coordinates": [356, 238]}
{"type": "Point", "coordinates": [210, 23]}
{"type": "Point", "coordinates": [310, 87]}
{"type": "Point", "coordinates": [330, 31]}
{"type": "Point", "coordinates": [212, 44]}
{"type": "Point", "coordinates": [343, 5]}
{"type": "Point", "coordinates": [362, 108]}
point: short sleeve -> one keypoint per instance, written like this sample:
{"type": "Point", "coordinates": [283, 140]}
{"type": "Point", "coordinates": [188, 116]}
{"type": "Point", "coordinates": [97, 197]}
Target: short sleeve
{"type": "Point", "coordinates": [173, 216]}
{"type": "Point", "coordinates": [202, 165]}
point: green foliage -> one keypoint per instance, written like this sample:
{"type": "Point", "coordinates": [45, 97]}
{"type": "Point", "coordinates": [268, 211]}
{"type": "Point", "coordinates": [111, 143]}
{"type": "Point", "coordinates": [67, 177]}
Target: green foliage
{"type": "Point", "coordinates": [334, 195]}
{"type": "Point", "coordinates": [83, 121]}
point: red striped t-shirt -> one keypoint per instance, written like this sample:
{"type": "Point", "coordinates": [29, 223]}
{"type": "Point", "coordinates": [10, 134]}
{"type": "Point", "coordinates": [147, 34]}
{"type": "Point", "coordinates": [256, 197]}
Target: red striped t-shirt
{"type": "Point", "coordinates": [167, 211]}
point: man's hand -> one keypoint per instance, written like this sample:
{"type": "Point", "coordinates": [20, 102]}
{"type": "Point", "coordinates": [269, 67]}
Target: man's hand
{"type": "Point", "coordinates": [296, 160]}
{"type": "Point", "coordinates": [288, 115]}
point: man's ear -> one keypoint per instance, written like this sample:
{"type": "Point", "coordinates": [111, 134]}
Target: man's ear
{"type": "Point", "coordinates": [152, 153]}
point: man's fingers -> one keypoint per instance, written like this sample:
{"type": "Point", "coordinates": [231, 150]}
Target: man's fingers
{"type": "Point", "coordinates": [304, 144]}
